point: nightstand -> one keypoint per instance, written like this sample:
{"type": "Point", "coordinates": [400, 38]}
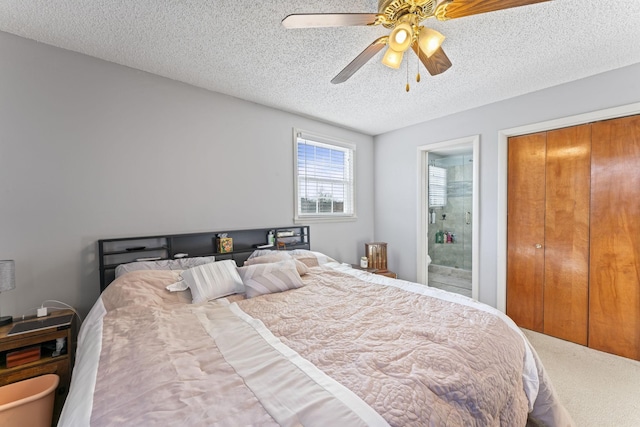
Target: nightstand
{"type": "Point", "coordinates": [45, 339]}
{"type": "Point", "coordinates": [386, 273]}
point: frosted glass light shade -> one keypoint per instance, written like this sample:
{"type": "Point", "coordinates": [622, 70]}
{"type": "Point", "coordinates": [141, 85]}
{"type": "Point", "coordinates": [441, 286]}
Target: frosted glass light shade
{"type": "Point", "coordinates": [392, 58]}
{"type": "Point", "coordinates": [429, 41]}
{"type": "Point", "coordinates": [7, 282]}
{"type": "Point", "coordinates": [7, 275]}
{"type": "Point", "coordinates": [401, 37]}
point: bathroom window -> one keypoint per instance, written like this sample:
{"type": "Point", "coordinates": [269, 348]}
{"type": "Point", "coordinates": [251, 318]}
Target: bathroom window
{"type": "Point", "coordinates": [437, 187]}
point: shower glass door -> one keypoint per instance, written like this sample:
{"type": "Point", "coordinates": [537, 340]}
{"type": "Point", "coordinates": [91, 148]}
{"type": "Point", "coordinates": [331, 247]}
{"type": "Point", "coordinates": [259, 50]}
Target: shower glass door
{"type": "Point", "coordinates": [450, 214]}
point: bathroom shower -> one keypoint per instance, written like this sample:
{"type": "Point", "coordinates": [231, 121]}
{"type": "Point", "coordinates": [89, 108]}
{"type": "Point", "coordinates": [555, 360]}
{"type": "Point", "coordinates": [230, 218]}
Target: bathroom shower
{"type": "Point", "coordinates": [450, 198]}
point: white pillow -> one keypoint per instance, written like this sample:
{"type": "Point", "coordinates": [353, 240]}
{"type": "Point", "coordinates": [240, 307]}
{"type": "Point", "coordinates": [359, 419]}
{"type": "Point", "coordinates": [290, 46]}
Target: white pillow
{"type": "Point", "coordinates": [260, 279]}
{"type": "Point", "coordinates": [271, 256]}
{"type": "Point", "coordinates": [262, 252]}
{"type": "Point", "coordinates": [164, 264]}
{"type": "Point", "coordinates": [210, 281]}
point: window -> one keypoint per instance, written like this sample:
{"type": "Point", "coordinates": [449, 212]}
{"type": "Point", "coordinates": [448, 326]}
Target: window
{"type": "Point", "coordinates": [323, 178]}
{"type": "Point", "coordinates": [437, 187]}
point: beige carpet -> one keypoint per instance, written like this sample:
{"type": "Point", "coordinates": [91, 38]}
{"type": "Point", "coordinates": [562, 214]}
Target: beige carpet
{"type": "Point", "coordinates": [598, 389]}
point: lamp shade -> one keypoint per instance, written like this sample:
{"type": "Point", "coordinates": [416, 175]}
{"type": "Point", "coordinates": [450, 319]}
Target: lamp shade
{"type": "Point", "coordinates": [401, 37]}
{"type": "Point", "coordinates": [429, 40]}
{"type": "Point", "coordinates": [392, 58]}
{"type": "Point", "coordinates": [7, 275]}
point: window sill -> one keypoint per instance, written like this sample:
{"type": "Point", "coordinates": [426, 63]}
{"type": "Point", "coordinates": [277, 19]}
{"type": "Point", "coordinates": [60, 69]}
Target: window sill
{"type": "Point", "coordinates": [316, 219]}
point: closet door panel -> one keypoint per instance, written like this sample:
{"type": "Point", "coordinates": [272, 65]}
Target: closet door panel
{"type": "Point", "coordinates": [614, 293]}
{"type": "Point", "coordinates": [525, 230]}
{"type": "Point", "coordinates": [566, 249]}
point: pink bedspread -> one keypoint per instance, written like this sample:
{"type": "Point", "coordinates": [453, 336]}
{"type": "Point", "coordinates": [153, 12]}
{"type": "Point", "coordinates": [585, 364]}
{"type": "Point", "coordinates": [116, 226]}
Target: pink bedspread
{"type": "Point", "coordinates": [377, 354]}
{"type": "Point", "coordinates": [415, 359]}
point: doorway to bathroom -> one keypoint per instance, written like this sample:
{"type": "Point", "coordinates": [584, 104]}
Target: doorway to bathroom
{"type": "Point", "coordinates": [448, 232]}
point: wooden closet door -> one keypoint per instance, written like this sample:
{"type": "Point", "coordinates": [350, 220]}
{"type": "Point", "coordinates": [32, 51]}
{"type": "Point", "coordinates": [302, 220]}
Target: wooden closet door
{"type": "Point", "coordinates": [614, 292]}
{"type": "Point", "coordinates": [525, 230]}
{"type": "Point", "coordinates": [566, 249]}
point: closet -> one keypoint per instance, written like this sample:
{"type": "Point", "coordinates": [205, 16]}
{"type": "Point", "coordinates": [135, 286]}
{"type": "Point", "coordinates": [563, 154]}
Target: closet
{"type": "Point", "coordinates": [573, 234]}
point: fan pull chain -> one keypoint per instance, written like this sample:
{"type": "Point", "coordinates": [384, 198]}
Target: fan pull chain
{"type": "Point", "coordinates": [418, 75]}
{"type": "Point", "coordinates": [408, 75]}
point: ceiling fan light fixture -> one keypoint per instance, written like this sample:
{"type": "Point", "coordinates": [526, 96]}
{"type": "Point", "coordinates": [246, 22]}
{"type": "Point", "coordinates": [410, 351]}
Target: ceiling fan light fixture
{"type": "Point", "coordinates": [429, 41]}
{"type": "Point", "coordinates": [392, 58]}
{"type": "Point", "coordinates": [401, 37]}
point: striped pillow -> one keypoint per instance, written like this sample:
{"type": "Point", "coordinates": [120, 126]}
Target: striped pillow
{"type": "Point", "coordinates": [277, 257]}
{"type": "Point", "coordinates": [260, 279]}
{"type": "Point", "coordinates": [274, 256]}
{"type": "Point", "coordinates": [213, 280]}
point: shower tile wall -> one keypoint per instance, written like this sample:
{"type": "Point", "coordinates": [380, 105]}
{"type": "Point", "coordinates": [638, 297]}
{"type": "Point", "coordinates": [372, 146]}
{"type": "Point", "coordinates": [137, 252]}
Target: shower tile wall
{"type": "Point", "coordinates": [459, 202]}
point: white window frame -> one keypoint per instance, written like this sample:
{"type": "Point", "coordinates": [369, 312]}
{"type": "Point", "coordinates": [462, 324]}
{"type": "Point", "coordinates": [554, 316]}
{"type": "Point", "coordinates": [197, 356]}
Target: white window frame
{"type": "Point", "coordinates": [350, 196]}
{"type": "Point", "coordinates": [437, 186]}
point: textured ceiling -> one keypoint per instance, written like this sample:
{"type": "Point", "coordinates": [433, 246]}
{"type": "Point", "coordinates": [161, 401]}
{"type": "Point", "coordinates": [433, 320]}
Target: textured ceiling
{"type": "Point", "coordinates": [240, 48]}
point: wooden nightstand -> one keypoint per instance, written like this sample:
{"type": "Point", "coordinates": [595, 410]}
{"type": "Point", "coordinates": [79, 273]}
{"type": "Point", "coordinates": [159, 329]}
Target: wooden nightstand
{"type": "Point", "coordinates": [386, 273]}
{"type": "Point", "coordinates": [46, 364]}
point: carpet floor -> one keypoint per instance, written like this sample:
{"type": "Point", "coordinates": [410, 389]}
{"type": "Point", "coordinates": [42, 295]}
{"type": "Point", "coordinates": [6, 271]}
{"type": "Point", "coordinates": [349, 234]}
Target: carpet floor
{"type": "Point", "coordinates": [598, 389]}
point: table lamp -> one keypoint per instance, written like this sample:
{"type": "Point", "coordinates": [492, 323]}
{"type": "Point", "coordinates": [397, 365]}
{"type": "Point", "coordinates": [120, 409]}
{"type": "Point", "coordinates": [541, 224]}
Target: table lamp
{"type": "Point", "coordinates": [7, 283]}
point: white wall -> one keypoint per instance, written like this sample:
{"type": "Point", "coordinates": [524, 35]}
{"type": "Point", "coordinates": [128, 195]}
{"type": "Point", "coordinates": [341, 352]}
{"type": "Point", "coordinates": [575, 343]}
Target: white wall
{"type": "Point", "coordinates": [90, 149]}
{"type": "Point", "coordinates": [396, 198]}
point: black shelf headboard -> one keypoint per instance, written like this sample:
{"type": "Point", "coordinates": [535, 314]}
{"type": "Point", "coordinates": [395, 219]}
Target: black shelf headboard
{"type": "Point", "coordinates": [121, 250]}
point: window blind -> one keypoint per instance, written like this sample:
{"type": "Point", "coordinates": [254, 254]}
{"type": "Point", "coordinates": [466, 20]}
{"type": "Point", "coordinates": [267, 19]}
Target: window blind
{"type": "Point", "coordinates": [437, 186]}
{"type": "Point", "coordinates": [324, 178]}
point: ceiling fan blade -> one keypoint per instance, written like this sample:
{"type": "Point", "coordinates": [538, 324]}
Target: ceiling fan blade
{"type": "Point", "coordinates": [360, 60]}
{"type": "Point", "coordinates": [437, 63]}
{"type": "Point", "coordinates": [313, 20]}
{"type": "Point", "coordinates": [461, 8]}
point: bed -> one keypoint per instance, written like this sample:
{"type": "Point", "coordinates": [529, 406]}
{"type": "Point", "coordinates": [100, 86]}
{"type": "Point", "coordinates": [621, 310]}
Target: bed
{"type": "Point", "coordinates": [300, 340]}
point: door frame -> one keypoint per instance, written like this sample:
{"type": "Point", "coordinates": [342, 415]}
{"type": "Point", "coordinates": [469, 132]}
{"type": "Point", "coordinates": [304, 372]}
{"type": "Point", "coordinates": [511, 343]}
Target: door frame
{"type": "Point", "coordinates": [503, 151]}
{"type": "Point", "coordinates": [470, 142]}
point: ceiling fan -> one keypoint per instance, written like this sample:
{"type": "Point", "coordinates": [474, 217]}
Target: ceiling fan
{"type": "Point", "coordinates": [403, 17]}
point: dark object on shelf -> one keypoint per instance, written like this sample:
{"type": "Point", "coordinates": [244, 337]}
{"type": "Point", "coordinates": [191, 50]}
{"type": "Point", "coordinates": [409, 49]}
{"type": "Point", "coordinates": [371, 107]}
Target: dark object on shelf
{"type": "Point", "coordinates": [41, 323]}
{"type": "Point", "coordinates": [263, 245]}
{"type": "Point", "coordinates": [137, 248]}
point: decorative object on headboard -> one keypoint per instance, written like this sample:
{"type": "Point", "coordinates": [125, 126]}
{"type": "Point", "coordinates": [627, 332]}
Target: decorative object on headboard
{"type": "Point", "coordinates": [224, 243]}
{"type": "Point", "coordinates": [238, 246]}
{"type": "Point", "coordinates": [290, 238]}
{"type": "Point", "coordinates": [376, 255]}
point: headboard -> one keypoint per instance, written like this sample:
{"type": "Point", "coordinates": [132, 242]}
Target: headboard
{"type": "Point", "coordinates": [113, 252]}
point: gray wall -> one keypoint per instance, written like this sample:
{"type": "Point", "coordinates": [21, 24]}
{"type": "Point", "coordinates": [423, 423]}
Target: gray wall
{"type": "Point", "coordinates": [90, 149]}
{"type": "Point", "coordinates": [396, 177]}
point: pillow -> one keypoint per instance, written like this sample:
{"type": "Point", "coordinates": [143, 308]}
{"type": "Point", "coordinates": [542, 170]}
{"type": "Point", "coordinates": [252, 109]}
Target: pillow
{"type": "Point", "coordinates": [277, 256]}
{"type": "Point", "coordinates": [262, 252]}
{"type": "Point", "coordinates": [210, 281]}
{"type": "Point", "coordinates": [164, 264]}
{"type": "Point", "coordinates": [301, 267]}
{"type": "Point", "coordinates": [260, 279]}
{"type": "Point", "coordinates": [272, 256]}
{"type": "Point", "coordinates": [311, 258]}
